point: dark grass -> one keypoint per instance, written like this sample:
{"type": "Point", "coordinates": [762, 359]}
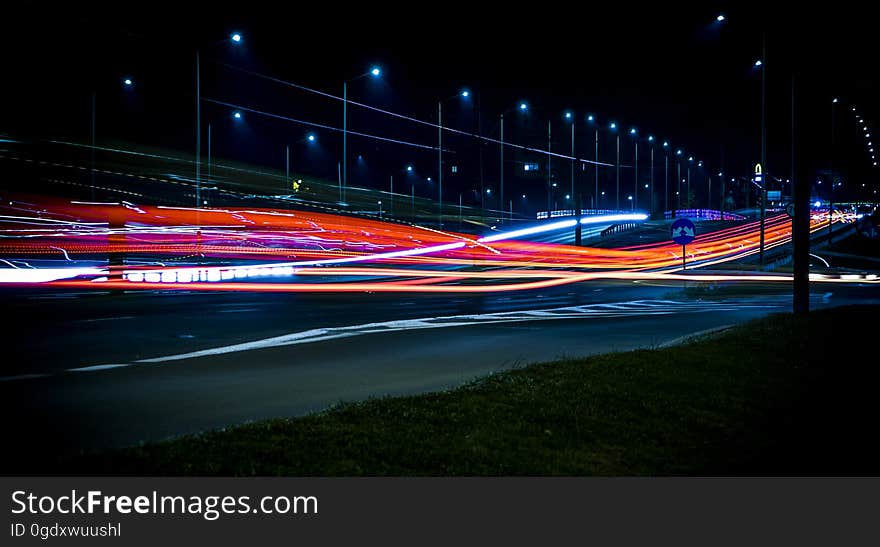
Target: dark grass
{"type": "Point", "coordinates": [778, 396]}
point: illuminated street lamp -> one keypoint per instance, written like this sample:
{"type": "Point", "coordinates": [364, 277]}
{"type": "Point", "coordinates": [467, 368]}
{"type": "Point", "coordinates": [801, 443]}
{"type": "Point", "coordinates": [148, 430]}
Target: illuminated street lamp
{"type": "Point", "coordinates": [464, 94]}
{"type": "Point", "coordinates": [375, 72]}
{"type": "Point", "coordinates": [236, 39]}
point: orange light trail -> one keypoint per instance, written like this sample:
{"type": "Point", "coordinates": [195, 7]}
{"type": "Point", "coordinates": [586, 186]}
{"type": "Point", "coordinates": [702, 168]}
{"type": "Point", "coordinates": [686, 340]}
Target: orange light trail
{"type": "Point", "coordinates": [320, 245]}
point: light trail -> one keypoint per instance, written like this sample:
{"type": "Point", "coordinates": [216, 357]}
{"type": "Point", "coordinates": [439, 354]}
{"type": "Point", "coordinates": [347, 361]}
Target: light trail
{"type": "Point", "coordinates": [321, 247]}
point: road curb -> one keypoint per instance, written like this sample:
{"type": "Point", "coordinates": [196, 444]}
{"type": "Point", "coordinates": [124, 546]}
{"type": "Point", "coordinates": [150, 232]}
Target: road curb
{"type": "Point", "coordinates": [690, 337]}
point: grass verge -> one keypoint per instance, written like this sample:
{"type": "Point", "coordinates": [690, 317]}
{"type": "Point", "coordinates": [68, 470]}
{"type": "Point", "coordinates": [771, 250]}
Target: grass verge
{"type": "Point", "coordinates": [778, 396]}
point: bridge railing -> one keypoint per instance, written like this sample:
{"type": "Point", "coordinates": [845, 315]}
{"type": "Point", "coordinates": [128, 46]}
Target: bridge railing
{"type": "Point", "coordinates": [543, 215]}
{"type": "Point", "coordinates": [705, 214]}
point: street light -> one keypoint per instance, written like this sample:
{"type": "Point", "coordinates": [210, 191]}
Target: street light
{"type": "Point", "coordinates": [522, 108]}
{"type": "Point", "coordinates": [665, 175]}
{"type": "Point", "coordinates": [375, 72]}
{"type": "Point", "coordinates": [464, 93]}
{"type": "Point", "coordinates": [568, 117]}
{"type": "Point", "coordinates": [236, 115]}
{"type": "Point", "coordinates": [592, 119]}
{"type": "Point", "coordinates": [613, 127]}
{"type": "Point", "coordinates": [678, 153]}
{"type": "Point", "coordinates": [634, 133]}
{"type": "Point", "coordinates": [235, 38]}
{"type": "Point", "coordinates": [720, 18]}
{"type": "Point", "coordinates": [127, 82]}
{"type": "Point", "coordinates": [651, 180]}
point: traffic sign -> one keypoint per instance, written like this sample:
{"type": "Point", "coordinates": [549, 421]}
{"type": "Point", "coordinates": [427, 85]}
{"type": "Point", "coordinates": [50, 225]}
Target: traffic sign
{"type": "Point", "coordinates": [789, 210]}
{"type": "Point", "coordinates": [683, 231]}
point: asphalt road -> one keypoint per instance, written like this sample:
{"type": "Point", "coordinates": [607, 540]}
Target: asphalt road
{"type": "Point", "coordinates": [303, 353]}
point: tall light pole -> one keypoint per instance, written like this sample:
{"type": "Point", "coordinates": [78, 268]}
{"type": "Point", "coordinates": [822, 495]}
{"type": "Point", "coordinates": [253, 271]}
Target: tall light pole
{"type": "Point", "coordinates": [700, 168]}
{"type": "Point", "coordinates": [831, 170]}
{"type": "Point", "coordinates": [568, 117]}
{"type": "Point", "coordinates": [592, 119]}
{"type": "Point", "coordinates": [763, 66]}
{"type": "Point", "coordinates": [635, 195]}
{"type": "Point", "coordinates": [549, 166]}
{"type": "Point", "coordinates": [613, 127]}
{"type": "Point", "coordinates": [235, 37]}
{"type": "Point", "coordinates": [374, 72]}
{"type": "Point", "coordinates": [678, 178]}
{"type": "Point", "coordinates": [522, 107]}
{"type": "Point", "coordinates": [687, 191]}
{"type": "Point", "coordinates": [666, 175]}
{"type": "Point", "coordinates": [651, 142]}
{"type": "Point", "coordinates": [501, 166]}
{"type": "Point", "coordinates": [464, 93]}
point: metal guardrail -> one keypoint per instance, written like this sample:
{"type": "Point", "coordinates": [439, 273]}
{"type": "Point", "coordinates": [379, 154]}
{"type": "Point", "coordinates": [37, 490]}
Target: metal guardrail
{"type": "Point", "coordinates": [543, 215]}
{"type": "Point", "coordinates": [706, 214]}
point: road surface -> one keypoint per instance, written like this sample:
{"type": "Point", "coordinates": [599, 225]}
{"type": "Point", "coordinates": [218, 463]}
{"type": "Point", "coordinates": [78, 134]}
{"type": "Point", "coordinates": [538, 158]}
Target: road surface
{"type": "Point", "coordinates": [93, 371]}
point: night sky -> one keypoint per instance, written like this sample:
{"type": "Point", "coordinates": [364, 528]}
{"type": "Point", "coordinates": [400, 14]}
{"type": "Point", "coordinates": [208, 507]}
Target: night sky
{"type": "Point", "coordinates": [668, 69]}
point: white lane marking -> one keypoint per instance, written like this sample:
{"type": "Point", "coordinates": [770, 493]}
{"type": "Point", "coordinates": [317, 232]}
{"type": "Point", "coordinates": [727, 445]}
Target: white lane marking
{"type": "Point", "coordinates": [98, 367]}
{"type": "Point", "coordinates": [633, 308]}
{"type": "Point", "coordinates": [22, 377]}
{"type": "Point", "coordinates": [120, 318]}
{"type": "Point", "coordinates": [331, 333]}
{"type": "Point", "coordinates": [238, 310]}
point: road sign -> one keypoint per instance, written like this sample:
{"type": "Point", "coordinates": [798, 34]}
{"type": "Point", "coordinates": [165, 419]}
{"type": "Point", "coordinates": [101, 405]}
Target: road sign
{"type": "Point", "coordinates": [683, 231]}
{"type": "Point", "coordinates": [789, 210]}
{"type": "Point", "coordinates": [774, 195]}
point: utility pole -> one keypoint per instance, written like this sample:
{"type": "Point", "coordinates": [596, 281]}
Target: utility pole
{"type": "Point", "coordinates": [831, 170]}
{"type": "Point", "coordinates": [800, 227]}
{"type": "Point", "coordinates": [549, 181]}
{"type": "Point", "coordinates": [596, 167]}
{"type": "Point", "coordinates": [572, 160]}
{"type": "Point", "coordinates": [636, 189]}
{"type": "Point", "coordinates": [92, 174]}
{"type": "Point", "coordinates": [440, 162]}
{"type": "Point", "coordinates": [209, 151]}
{"type": "Point", "coordinates": [617, 202]}
{"type": "Point", "coordinates": [502, 158]}
{"type": "Point", "coordinates": [763, 137]}
{"type": "Point", "coordinates": [652, 179]}
{"type": "Point", "coordinates": [198, 130]}
{"type": "Point", "coordinates": [343, 179]}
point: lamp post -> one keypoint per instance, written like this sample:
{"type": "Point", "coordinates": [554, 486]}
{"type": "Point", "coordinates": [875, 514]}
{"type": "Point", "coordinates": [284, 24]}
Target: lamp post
{"type": "Point", "coordinates": [651, 142]}
{"type": "Point", "coordinates": [678, 179]}
{"type": "Point", "coordinates": [568, 117]}
{"type": "Point", "coordinates": [522, 107]}
{"type": "Point", "coordinates": [464, 93]}
{"type": "Point", "coordinates": [613, 127]}
{"type": "Point", "coordinates": [635, 195]}
{"type": "Point", "coordinates": [761, 63]}
{"type": "Point", "coordinates": [235, 37]}
{"type": "Point", "coordinates": [687, 191]}
{"type": "Point", "coordinates": [666, 175]}
{"type": "Point", "coordinates": [375, 72]}
{"type": "Point", "coordinates": [549, 167]}
{"type": "Point", "coordinates": [831, 170]}
{"type": "Point", "coordinates": [592, 119]}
